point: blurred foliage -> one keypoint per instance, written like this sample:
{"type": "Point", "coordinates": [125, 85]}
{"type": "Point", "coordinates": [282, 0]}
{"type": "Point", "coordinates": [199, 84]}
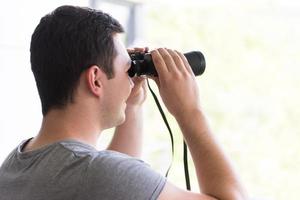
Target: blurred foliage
{"type": "Point", "coordinates": [250, 89]}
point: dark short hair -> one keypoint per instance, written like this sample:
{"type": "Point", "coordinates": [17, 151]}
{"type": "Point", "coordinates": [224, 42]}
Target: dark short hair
{"type": "Point", "coordinates": [64, 44]}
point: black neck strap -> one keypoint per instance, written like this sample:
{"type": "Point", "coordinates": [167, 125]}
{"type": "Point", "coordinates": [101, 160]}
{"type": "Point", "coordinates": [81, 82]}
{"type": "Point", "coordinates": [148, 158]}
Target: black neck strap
{"type": "Point", "coordinates": [185, 150]}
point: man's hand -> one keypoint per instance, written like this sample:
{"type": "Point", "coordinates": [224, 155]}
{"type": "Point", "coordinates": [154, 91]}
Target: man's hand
{"type": "Point", "coordinates": [139, 91]}
{"type": "Point", "coordinates": [128, 137]}
{"type": "Point", "coordinates": [179, 91]}
{"type": "Point", "coordinates": [176, 81]}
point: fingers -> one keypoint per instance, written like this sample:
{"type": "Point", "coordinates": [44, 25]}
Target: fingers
{"type": "Point", "coordinates": [168, 59]}
{"type": "Point", "coordinates": [170, 62]}
{"type": "Point", "coordinates": [139, 81]}
{"type": "Point", "coordinates": [186, 63]}
{"type": "Point", "coordinates": [138, 93]}
{"type": "Point", "coordinates": [141, 49]}
{"type": "Point", "coordinates": [159, 63]}
{"type": "Point", "coordinates": [177, 61]}
{"type": "Point", "coordinates": [138, 49]}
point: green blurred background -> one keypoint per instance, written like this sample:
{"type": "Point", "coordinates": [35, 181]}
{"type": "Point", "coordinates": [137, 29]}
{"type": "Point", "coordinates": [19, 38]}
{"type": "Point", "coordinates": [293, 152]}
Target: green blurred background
{"type": "Point", "coordinates": [249, 90]}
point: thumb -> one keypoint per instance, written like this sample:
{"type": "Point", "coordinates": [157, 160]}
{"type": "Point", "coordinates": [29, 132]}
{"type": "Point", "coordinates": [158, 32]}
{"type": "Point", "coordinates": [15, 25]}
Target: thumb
{"type": "Point", "coordinates": [138, 80]}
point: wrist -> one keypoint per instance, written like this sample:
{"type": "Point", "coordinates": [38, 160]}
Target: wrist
{"type": "Point", "coordinates": [188, 115]}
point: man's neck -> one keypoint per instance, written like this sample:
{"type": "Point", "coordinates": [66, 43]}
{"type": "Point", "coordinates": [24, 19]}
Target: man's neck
{"type": "Point", "coordinates": [59, 125]}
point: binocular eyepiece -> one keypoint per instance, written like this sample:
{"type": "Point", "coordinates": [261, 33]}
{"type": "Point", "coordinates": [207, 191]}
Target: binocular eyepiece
{"type": "Point", "coordinates": [142, 63]}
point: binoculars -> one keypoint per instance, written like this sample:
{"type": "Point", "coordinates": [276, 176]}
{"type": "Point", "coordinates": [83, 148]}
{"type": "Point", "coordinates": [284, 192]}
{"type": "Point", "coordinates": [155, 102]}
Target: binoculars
{"type": "Point", "coordinates": [142, 64]}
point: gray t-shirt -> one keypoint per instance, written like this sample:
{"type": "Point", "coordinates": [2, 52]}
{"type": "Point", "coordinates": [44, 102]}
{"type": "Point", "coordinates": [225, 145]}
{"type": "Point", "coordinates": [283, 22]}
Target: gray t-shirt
{"type": "Point", "coordinates": [71, 170]}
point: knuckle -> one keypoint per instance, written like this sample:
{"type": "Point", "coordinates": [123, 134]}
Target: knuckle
{"type": "Point", "coordinates": [154, 55]}
{"type": "Point", "coordinates": [154, 51]}
{"type": "Point", "coordinates": [166, 57]}
{"type": "Point", "coordinates": [177, 76]}
{"type": "Point", "coordinates": [176, 58]}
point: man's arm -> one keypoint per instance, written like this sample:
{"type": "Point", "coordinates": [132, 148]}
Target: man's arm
{"type": "Point", "coordinates": [128, 137]}
{"type": "Point", "coordinates": [179, 91]}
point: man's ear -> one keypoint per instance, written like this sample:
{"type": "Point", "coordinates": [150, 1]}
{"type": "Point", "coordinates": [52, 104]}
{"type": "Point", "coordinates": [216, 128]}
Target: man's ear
{"type": "Point", "coordinates": [94, 79]}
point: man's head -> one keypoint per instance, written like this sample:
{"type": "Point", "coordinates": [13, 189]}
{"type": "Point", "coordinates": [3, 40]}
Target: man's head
{"type": "Point", "coordinates": [64, 44]}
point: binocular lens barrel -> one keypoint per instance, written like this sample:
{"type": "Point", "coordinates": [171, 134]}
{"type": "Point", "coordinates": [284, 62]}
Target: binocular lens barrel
{"type": "Point", "coordinates": [142, 64]}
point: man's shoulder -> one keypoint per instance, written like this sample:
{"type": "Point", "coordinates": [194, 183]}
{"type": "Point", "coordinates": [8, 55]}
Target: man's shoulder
{"type": "Point", "coordinates": [80, 150]}
{"type": "Point", "coordinates": [102, 161]}
{"type": "Point", "coordinates": [78, 167]}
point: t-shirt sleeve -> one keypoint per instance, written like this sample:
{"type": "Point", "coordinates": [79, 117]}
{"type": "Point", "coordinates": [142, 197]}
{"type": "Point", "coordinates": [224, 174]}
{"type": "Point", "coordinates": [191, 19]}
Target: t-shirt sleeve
{"type": "Point", "coordinates": [113, 175]}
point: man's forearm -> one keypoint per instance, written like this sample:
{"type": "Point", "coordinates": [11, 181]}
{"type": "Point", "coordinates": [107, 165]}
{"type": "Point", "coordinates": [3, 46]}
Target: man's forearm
{"type": "Point", "coordinates": [215, 175]}
{"type": "Point", "coordinates": [128, 136]}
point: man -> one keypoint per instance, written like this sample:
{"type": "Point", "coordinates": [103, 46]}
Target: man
{"type": "Point", "coordinates": [80, 66]}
